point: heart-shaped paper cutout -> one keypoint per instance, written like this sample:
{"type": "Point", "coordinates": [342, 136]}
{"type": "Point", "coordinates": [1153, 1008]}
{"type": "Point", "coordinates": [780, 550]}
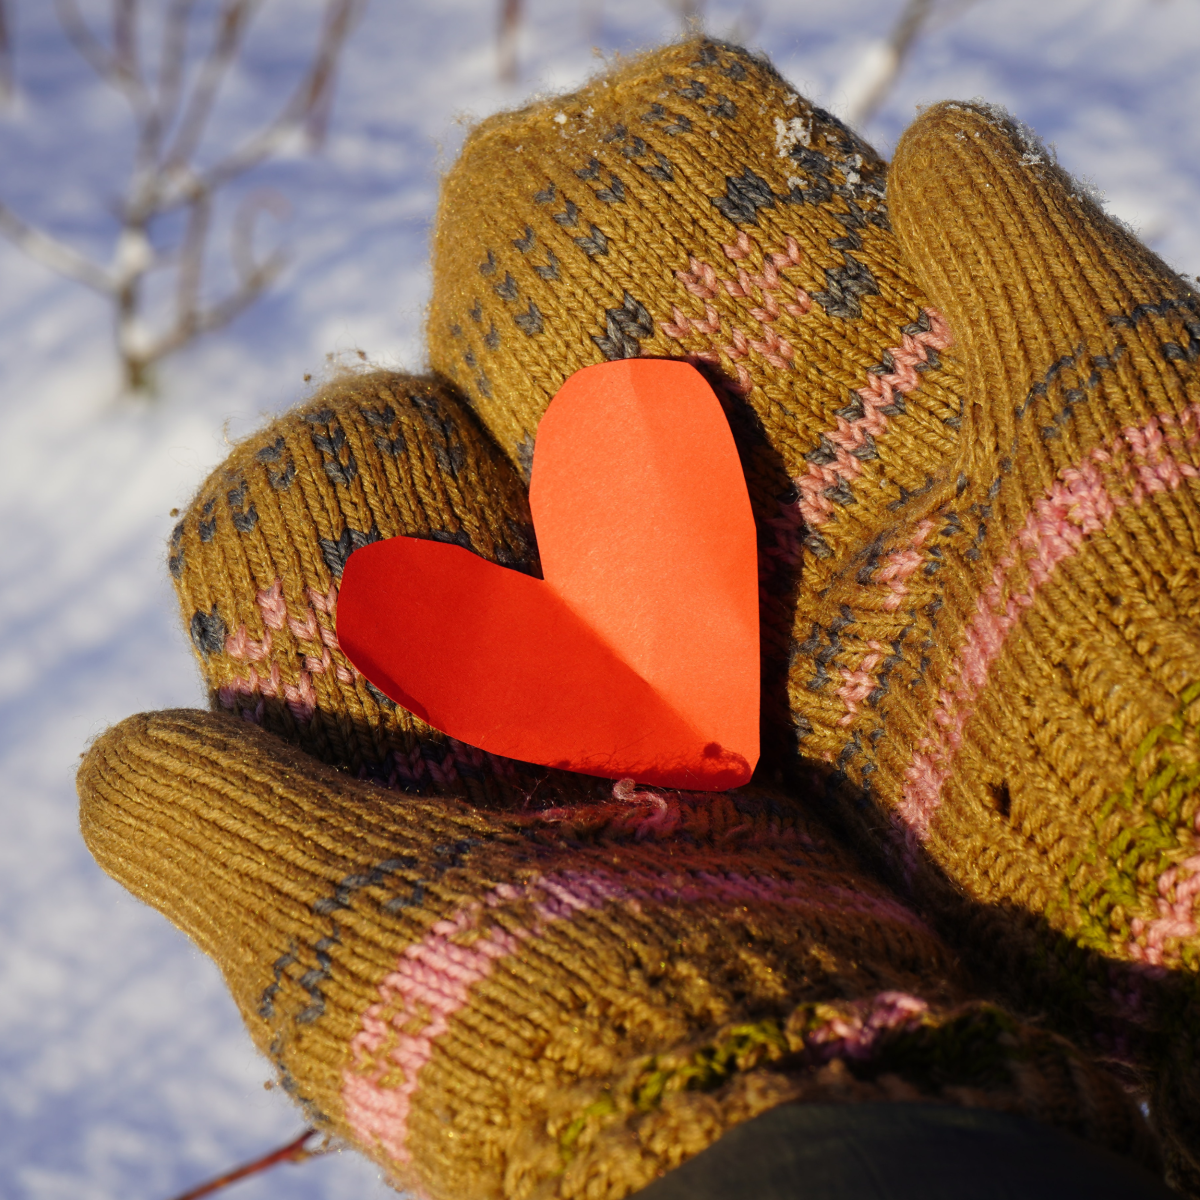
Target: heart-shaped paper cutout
{"type": "Point", "coordinates": [637, 653]}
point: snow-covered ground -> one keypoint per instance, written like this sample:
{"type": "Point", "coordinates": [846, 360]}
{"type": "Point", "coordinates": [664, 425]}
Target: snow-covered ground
{"type": "Point", "coordinates": [124, 1070]}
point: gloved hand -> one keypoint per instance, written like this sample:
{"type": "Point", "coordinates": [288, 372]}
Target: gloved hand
{"type": "Point", "coordinates": [531, 983]}
{"type": "Point", "coordinates": [987, 643]}
{"type": "Point", "coordinates": [506, 981]}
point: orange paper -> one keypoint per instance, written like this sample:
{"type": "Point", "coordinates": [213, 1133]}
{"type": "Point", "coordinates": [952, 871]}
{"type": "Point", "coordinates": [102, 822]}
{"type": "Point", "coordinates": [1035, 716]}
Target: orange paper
{"type": "Point", "coordinates": [637, 653]}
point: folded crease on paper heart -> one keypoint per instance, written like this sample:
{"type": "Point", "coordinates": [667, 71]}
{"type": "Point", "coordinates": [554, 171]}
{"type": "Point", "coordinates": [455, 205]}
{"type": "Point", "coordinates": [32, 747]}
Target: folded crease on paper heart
{"type": "Point", "coordinates": [636, 655]}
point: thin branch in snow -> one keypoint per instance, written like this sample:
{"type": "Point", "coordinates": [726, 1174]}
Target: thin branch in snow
{"type": "Point", "coordinates": [690, 13]}
{"type": "Point", "coordinates": [870, 81]}
{"type": "Point", "coordinates": [295, 1151]}
{"type": "Point", "coordinates": [875, 74]}
{"type": "Point", "coordinates": [506, 40]}
{"type": "Point", "coordinates": [593, 19]}
{"type": "Point", "coordinates": [52, 253]}
{"type": "Point", "coordinates": [171, 109]}
{"type": "Point", "coordinates": [6, 63]}
{"type": "Point", "coordinates": [232, 22]}
{"type": "Point", "coordinates": [747, 24]}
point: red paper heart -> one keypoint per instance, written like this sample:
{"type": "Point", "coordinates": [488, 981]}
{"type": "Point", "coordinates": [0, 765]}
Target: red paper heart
{"type": "Point", "coordinates": [637, 654]}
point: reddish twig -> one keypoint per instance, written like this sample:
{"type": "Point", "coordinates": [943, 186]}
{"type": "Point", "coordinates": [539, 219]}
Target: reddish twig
{"type": "Point", "coordinates": [295, 1151]}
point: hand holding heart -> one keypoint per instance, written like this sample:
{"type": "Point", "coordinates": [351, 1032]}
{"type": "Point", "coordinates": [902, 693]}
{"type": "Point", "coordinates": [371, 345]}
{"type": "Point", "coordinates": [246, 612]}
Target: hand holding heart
{"type": "Point", "coordinates": [485, 972]}
{"type": "Point", "coordinates": [637, 653]}
{"type": "Point", "coordinates": [464, 949]}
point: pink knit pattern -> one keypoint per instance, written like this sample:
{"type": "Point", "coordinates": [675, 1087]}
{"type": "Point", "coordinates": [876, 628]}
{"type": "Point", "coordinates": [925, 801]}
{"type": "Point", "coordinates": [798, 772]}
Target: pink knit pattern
{"type": "Point", "coordinates": [898, 565]}
{"type": "Point", "coordinates": [859, 683]}
{"type": "Point", "coordinates": [1139, 462]}
{"type": "Point", "coordinates": [856, 1029]}
{"type": "Point", "coordinates": [812, 508]}
{"type": "Point", "coordinates": [1155, 942]}
{"type": "Point", "coordinates": [414, 767]}
{"type": "Point", "coordinates": [434, 976]}
{"type": "Point", "coordinates": [891, 579]}
{"type": "Point", "coordinates": [429, 985]}
{"type": "Point", "coordinates": [300, 697]}
{"type": "Point", "coordinates": [775, 296]}
{"type": "Point", "coordinates": [850, 435]}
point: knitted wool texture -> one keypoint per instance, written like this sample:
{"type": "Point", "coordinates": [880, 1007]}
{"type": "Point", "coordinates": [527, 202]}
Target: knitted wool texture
{"type": "Point", "coordinates": [690, 205]}
{"type": "Point", "coordinates": [1032, 736]}
{"type": "Point", "coordinates": [993, 657]}
{"type": "Point", "coordinates": [258, 557]}
{"type": "Point", "coordinates": [533, 1001]}
{"type": "Point", "coordinates": [567, 1004]}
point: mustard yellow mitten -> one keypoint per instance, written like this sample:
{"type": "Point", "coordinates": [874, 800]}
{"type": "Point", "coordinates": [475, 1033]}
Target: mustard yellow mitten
{"type": "Point", "coordinates": [1023, 738]}
{"type": "Point", "coordinates": [504, 984]}
{"type": "Point", "coordinates": [257, 560]}
{"type": "Point", "coordinates": [689, 204]}
{"type": "Point", "coordinates": [984, 641]}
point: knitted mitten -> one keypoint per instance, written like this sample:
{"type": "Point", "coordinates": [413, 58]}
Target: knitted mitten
{"type": "Point", "coordinates": [258, 557]}
{"type": "Point", "coordinates": [521, 1000]}
{"type": "Point", "coordinates": [1039, 784]}
{"type": "Point", "coordinates": [1027, 633]}
{"type": "Point", "coordinates": [690, 205]}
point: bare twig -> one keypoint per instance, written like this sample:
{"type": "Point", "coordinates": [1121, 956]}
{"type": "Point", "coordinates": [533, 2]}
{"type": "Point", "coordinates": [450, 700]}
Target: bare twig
{"type": "Point", "coordinates": [6, 63]}
{"type": "Point", "coordinates": [690, 12]}
{"type": "Point", "coordinates": [295, 1151]}
{"type": "Point", "coordinates": [299, 117]}
{"type": "Point", "coordinates": [316, 92]}
{"type": "Point", "coordinates": [171, 59]}
{"type": "Point", "coordinates": [876, 74]}
{"type": "Point", "coordinates": [108, 64]}
{"type": "Point", "coordinates": [171, 109]}
{"type": "Point", "coordinates": [506, 39]}
{"type": "Point", "coordinates": [56, 255]}
{"type": "Point", "coordinates": [593, 19]}
{"type": "Point", "coordinates": [125, 49]}
{"type": "Point", "coordinates": [747, 24]}
{"type": "Point", "coordinates": [232, 23]}
{"type": "Point", "coordinates": [871, 80]}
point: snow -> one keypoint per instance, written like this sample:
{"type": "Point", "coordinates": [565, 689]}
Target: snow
{"type": "Point", "coordinates": [124, 1070]}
